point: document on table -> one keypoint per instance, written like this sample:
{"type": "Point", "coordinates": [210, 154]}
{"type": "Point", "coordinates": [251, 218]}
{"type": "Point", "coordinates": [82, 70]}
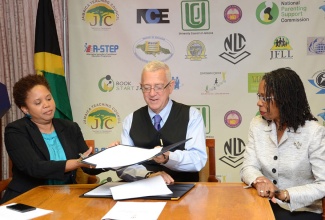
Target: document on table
{"type": "Point", "coordinates": [147, 187]}
{"type": "Point", "coordinates": [135, 210]}
{"type": "Point", "coordinates": [123, 155]}
{"type": "Point", "coordinates": [6, 213]}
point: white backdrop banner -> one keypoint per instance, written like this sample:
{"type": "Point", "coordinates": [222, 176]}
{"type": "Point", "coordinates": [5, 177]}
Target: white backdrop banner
{"type": "Point", "coordinates": [217, 51]}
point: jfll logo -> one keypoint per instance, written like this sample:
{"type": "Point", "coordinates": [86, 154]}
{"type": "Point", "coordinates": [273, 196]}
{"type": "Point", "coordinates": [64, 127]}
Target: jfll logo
{"type": "Point", "coordinates": [281, 48]}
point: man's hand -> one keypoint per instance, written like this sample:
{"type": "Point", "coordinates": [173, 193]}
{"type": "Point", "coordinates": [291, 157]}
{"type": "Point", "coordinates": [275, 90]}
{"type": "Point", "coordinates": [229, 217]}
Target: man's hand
{"type": "Point", "coordinates": [115, 143]}
{"type": "Point", "coordinates": [167, 178]}
{"type": "Point", "coordinates": [163, 158]}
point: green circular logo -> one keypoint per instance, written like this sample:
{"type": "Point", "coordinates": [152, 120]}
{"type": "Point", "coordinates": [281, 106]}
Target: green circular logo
{"type": "Point", "coordinates": [267, 12]}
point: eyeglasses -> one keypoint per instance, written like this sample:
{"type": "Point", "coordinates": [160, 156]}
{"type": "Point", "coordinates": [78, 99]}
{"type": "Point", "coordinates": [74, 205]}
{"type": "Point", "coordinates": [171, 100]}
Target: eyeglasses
{"type": "Point", "coordinates": [157, 88]}
{"type": "Point", "coordinates": [262, 98]}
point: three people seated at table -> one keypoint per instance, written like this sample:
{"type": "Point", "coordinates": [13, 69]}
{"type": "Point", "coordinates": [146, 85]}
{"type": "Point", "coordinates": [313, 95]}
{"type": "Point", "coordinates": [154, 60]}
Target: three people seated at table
{"type": "Point", "coordinates": [284, 157]}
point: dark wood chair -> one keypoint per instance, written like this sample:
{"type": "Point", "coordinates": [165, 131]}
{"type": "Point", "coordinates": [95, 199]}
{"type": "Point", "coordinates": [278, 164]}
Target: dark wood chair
{"type": "Point", "coordinates": [208, 173]}
{"type": "Point", "coordinates": [84, 178]}
{"type": "Point", "coordinates": [3, 185]}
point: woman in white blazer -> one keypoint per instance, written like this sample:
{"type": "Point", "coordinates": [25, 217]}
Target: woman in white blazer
{"type": "Point", "coordinates": [285, 155]}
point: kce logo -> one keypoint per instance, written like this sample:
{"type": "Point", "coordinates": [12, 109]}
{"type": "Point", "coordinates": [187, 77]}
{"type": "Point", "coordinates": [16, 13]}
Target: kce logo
{"type": "Point", "coordinates": [153, 16]}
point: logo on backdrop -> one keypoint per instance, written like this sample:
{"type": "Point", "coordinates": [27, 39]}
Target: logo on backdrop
{"type": "Point", "coordinates": [153, 16]}
{"type": "Point", "coordinates": [322, 7]}
{"type": "Point", "coordinates": [318, 80]}
{"type": "Point", "coordinates": [195, 15]}
{"type": "Point", "coordinates": [100, 50]}
{"type": "Point", "coordinates": [293, 11]}
{"type": "Point", "coordinates": [100, 14]}
{"type": "Point", "coordinates": [322, 115]}
{"type": "Point", "coordinates": [177, 81]}
{"type": "Point", "coordinates": [233, 14]}
{"type": "Point", "coordinates": [101, 118]}
{"type": "Point", "coordinates": [254, 81]}
{"type": "Point", "coordinates": [234, 149]}
{"type": "Point", "coordinates": [232, 119]}
{"type": "Point", "coordinates": [267, 12]}
{"type": "Point", "coordinates": [107, 84]}
{"type": "Point", "coordinates": [153, 48]}
{"type": "Point", "coordinates": [281, 48]}
{"type": "Point", "coordinates": [215, 82]}
{"type": "Point", "coordinates": [315, 45]}
{"type": "Point", "coordinates": [234, 46]}
{"type": "Point", "coordinates": [196, 51]}
{"type": "Point", "coordinates": [205, 111]}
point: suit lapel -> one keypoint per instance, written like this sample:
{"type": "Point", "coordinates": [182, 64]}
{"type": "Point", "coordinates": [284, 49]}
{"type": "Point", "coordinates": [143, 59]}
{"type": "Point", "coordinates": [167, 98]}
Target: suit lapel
{"type": "Point", "coordinates": [37, 137]}
{"type": "Point", "coordinates": [60, 130]}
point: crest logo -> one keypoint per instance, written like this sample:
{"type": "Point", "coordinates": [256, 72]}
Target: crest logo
{"type": "Point", "coordinates": [267, 12]}
{"type": "Point", "coordinates": [233, 14]}
{"type": "Point", "coordinates": [234, 149]}
{"type": "Point", "coordinates": [234, 46]}
{"type": "Point", "coordinates": [100, 15]}
{"type": "Point", "coordinates": [195, 15]}
{"type": "Point", "coordinates": [318, 81]}
{"type": "Point", "coordinates": [232, 119]}
{"type": "Point", "coordinates": [196, 51]}
{"type": "Point", "coordinates": [281, 48]}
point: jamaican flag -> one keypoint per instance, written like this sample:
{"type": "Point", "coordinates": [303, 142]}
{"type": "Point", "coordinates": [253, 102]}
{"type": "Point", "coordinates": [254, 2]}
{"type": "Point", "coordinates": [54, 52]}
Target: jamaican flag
{"type": "Point", "coordinates": [48, 60]}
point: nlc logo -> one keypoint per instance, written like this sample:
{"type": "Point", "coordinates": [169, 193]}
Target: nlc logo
{"type": "Point", "coordinates": [152, 16]}
{"type": "Point", "coordinates": [234, 149]}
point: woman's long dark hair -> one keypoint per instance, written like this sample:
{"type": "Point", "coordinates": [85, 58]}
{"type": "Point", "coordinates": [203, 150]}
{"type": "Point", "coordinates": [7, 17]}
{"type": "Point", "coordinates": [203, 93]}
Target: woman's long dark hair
{"type": "Point", "coordinates": [289, 94]}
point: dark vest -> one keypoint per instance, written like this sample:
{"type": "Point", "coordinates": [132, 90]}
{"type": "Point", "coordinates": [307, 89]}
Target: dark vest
{"type": "Point", "coordinates": [144, 135]}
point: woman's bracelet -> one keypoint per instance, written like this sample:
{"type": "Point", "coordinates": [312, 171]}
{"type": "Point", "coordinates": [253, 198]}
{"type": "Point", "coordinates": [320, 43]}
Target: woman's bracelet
{"type": "Point", "coordinates": [286, 193]}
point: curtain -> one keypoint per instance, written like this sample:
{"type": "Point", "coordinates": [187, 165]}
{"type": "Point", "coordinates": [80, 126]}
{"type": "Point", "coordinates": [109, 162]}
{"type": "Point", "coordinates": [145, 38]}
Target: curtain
{"type": "Point", "coordinates": [17, 30]}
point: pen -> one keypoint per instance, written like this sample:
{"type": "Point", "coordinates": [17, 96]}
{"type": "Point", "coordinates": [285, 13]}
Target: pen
{"type": "Point", "coordinates": [161, 143]}
{"type": "Point", "coordinates": [82, 156]}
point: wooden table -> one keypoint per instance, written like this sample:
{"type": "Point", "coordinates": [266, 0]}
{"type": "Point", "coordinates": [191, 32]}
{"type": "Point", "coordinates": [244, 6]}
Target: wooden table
{"type": "Point", "coordinates": [207, 200]}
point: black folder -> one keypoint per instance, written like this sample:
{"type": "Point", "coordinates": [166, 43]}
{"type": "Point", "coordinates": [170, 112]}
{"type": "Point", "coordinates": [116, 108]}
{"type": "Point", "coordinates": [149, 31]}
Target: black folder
{"type": "Point", "coordinates": [178, 189]}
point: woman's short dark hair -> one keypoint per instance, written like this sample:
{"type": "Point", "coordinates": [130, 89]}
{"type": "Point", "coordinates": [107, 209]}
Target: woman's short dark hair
{"type": "Point", "coordinates": [289, 94]}
{"type": "Point", "coordinates": [24, 85]}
